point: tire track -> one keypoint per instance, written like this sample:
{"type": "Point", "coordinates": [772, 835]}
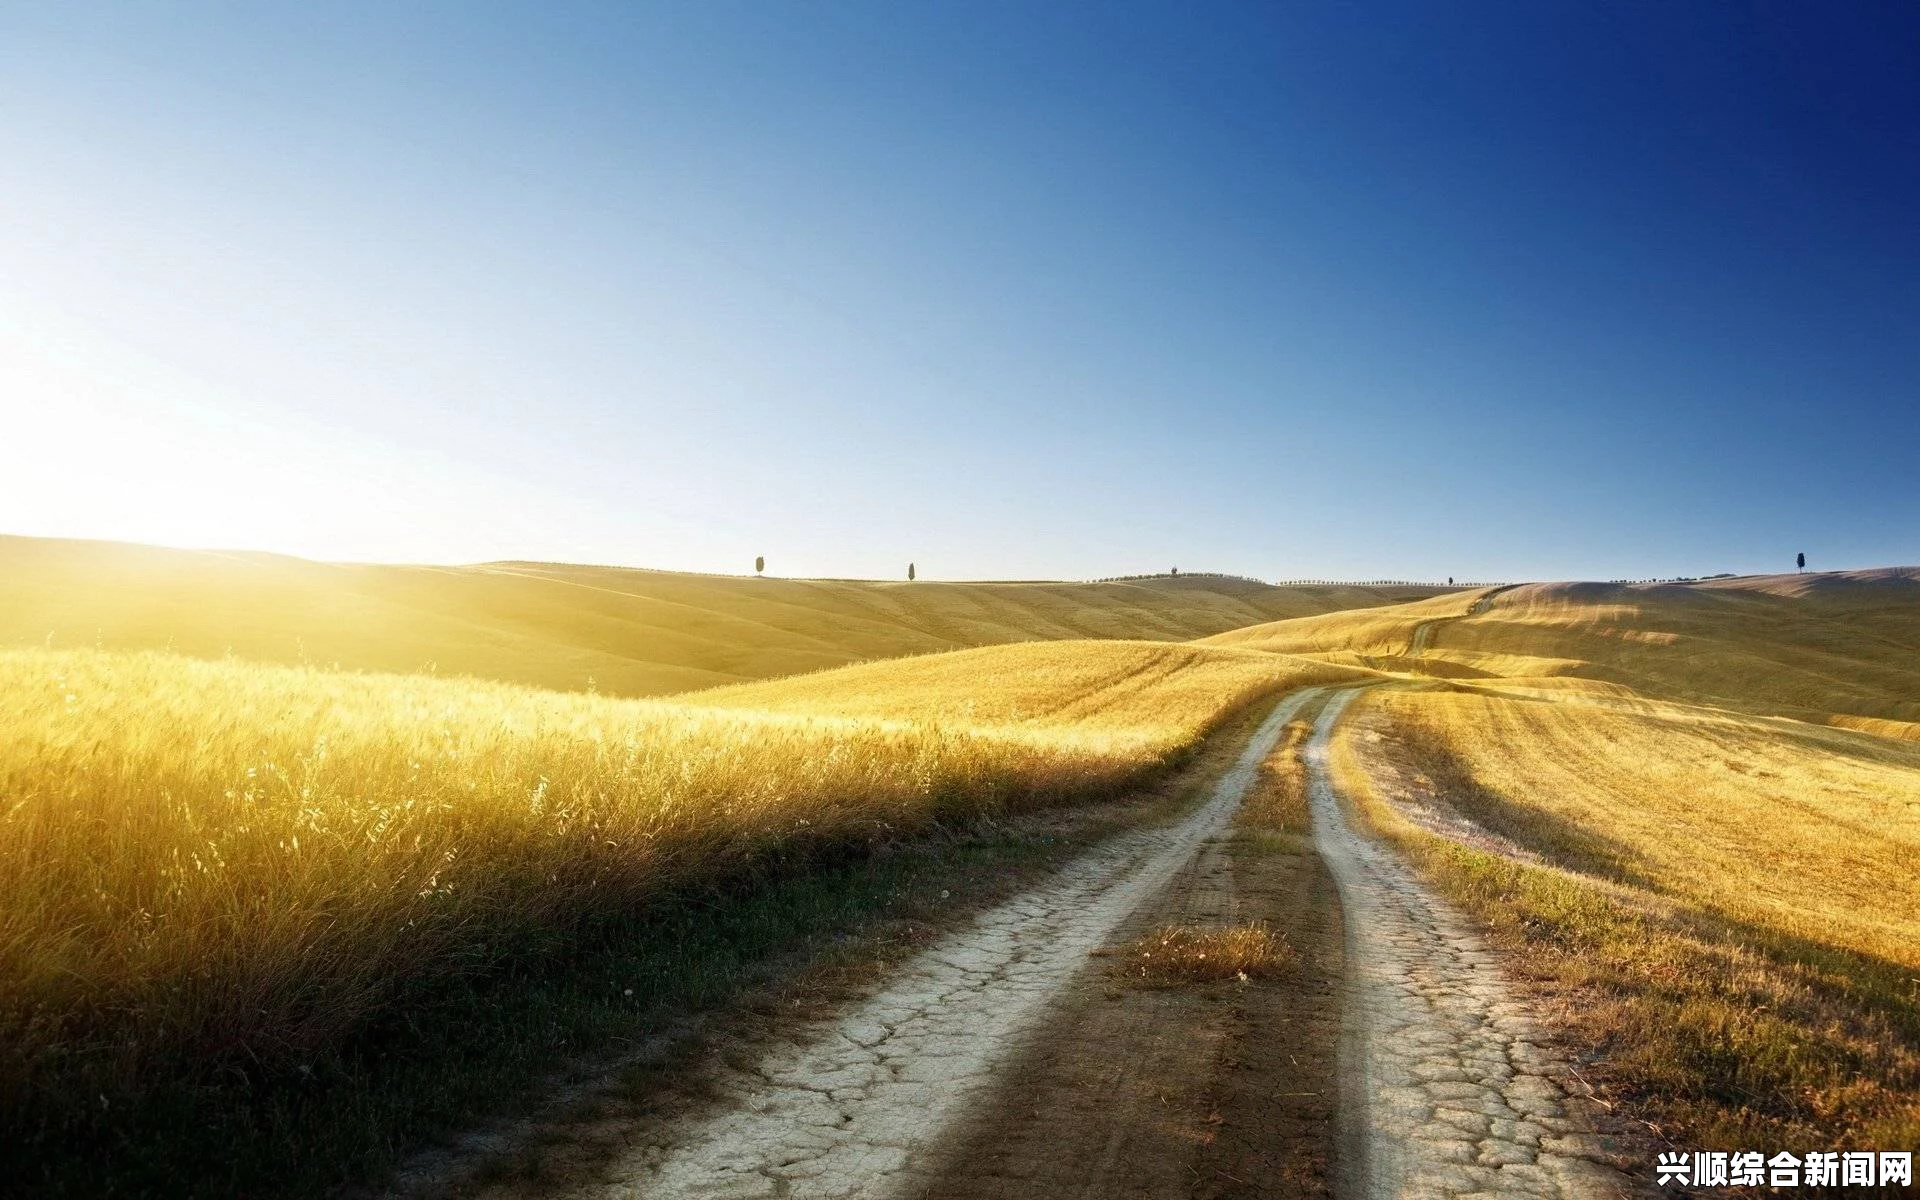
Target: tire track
{"type": "Point", "coordinates": [847, 1107]}
{"type": "Point", "coordinates": [1422, 638]}
{"type": "Point", "coordinates": [1448, 1087]}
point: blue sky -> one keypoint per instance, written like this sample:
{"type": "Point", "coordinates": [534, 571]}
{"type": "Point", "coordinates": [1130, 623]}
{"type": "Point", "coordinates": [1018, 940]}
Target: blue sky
{"type": "Point", "coordinates": [1296, 290]}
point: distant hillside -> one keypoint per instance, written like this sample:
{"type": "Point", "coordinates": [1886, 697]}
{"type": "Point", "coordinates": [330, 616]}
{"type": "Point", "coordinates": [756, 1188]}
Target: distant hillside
{"type": "Point", "coordinates": [1837, 647]}
{"type": "Point", "coordinates": [1381, 631]}
{"type": "Point", "coordinates": [1815, 645]}
{"type": "Point", "coordinates": [629, 632]}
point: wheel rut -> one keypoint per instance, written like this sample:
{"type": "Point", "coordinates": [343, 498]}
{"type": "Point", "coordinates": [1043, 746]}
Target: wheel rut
{"type": "Point", "coordinates": [1449, 1087]}
{"type": "Point", "coordinates": [1010, 1060]}
{"type": "Point", "coordinates": [853, 1106]}
{"type": "Point", "coordinates": [1214, 1090]}
{"type": "Point", "coordinates": [1422, 638]}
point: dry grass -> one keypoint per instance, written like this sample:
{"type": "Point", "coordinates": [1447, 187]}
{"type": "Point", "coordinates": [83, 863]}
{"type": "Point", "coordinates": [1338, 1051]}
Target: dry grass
{"type": "Point", "coordinates": [1727, 907]}
{"type": "Point", "coordinates": [1807, 647]}
{"type": "Point", "coordinates": [215, 868]}
{"type": "Point", "coordinates": [1805, 829]}
{"type": "Point", "coordinates": [210, 869]}
{"type": "Point", "coordinates": [1384, 631]}
{"type": "Point", "coordinates": [1838, 648]}
{"type": "Point", "coordinates": [1125, 696]}
{"type": "Point", "coordinates": [1277, 801]}
{"type": "Point", "coordinates": [575, 628]}
{"type": "Point", "coordinates": [1175, 954]}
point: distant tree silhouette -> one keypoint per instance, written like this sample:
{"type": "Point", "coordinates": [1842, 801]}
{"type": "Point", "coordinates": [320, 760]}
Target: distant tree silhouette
{"type": "Point", "coordinates": [1801, 561]}
{"type": "Point", "coordinates": [1449, 581]}
{"type": "Point", "coordinates": [909, 572]}
{"type": "Point", "coordinates": [759, 563]}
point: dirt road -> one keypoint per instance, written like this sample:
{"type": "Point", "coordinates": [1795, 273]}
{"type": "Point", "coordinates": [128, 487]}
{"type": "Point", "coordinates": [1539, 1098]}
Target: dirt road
{"type": "Point", "coordinates": [855, 1107]}
{"type": "Point", "coordinates": [1011, 1060]}
{"type": "Point", "coordinates": [1448, 1087]}
{"type": "Point", "coordinates": [1223, 1089]}
{"type": "Point", "coordinates": [1422, 637]}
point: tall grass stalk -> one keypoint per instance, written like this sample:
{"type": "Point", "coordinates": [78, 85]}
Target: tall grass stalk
{"type": "Point", "coordinates": [214, 870]}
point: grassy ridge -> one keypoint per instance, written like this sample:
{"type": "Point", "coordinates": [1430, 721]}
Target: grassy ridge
{"type": "Point", "coordinates": [1109, 694]}
{"type": "Point", "coordinates": [1384, 631]}
{"type": "Point", "coordinates": [1808, 647]}
{"type": "Point", "coordinates": [212, 869]}
{"type": "Point", "coordinates": [1725, 901]}
{"type": "Point", "coordinates": [1801, 828]}
{"type": "Point", "coordinates": [1690, 810]}
{"type": "Point", "coordinates": [1839, 648]}
{"type": "Point", "coordinates": [571, 628]}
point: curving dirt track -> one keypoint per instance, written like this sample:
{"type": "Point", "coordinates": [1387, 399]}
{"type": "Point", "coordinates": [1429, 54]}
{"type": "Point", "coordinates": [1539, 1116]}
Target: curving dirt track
{"type": "Point", "coordinates": [1449, 1088]}
{"type": "Point", "coordinates": [855, 1106]}
{"type": "Point", "coordinates": [1422, 638]}
{"type": "Point", "coordinates": [1010, 1061]}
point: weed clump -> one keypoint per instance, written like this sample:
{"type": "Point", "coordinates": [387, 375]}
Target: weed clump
{"type": "Point", "coordinates": [1175, 954]}
{"type": "Point", "coordinates": [1277, 802]}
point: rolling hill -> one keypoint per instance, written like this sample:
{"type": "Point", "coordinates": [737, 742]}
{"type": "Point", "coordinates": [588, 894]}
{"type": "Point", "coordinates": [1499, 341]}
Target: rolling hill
{"type": "Point", "coordinates": [1837, 648]}
{"type": "Point", "coordinates": [616, 630]}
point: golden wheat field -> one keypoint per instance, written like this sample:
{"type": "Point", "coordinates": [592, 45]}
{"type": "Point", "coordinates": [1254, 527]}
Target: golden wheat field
{"type": "Point", "coordinates": [1387, 631]}
{"type": "Point", "coordinates": [1811, 647]}
{"type": "Point", "coordinates": [204, 863]}
{"type": "Point", "coordinates": [1143, 696]}
{"type": "Point", "coordinates": [1809, 830]}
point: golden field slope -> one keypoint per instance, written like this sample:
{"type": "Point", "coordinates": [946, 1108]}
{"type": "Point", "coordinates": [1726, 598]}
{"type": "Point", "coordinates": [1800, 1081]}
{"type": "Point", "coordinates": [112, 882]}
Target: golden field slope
{"type": "Point", "coordinates": [1695, 811]}
{"type": "Point", "coordinates": [1838, 647]}
{"type": "Point", "coordinates": [1126, 695]}
{"type": "Point", "coordinates": [1809, 831]}
{"type": "Point", "coordinates": [214, 866]}
{"type": "Point", "coordinates": [1722, 907]}
{"type": "Point", "coordinates": [1810, 646]}
{"type": "Point", "coordinates": [1389, 633]}
{"type": "Point", "coordinates": [622, 632]}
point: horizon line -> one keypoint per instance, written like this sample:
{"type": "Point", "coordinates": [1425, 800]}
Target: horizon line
{"type": "Point", "coordinates": [1464, 585]}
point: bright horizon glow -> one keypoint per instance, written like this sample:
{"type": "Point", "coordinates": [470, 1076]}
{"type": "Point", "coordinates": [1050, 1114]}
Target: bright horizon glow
{"type": "Point", "coordinates": [1007, 293]}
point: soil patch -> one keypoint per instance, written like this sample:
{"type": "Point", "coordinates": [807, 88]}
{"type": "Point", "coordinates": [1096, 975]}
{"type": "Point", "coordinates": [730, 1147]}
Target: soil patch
{"type": "Point", "coordinates": [1211, 1089]}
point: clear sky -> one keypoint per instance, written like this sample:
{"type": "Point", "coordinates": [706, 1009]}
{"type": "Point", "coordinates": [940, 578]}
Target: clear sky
{"type": "Point", "coordinates": [1518, 290]}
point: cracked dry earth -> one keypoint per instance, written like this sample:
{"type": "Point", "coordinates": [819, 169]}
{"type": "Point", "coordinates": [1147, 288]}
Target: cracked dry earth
{"type": "Point", "coordinates": [1449, 1089]}
{"type": "Point", "coordinates": [847, 1109]}
{"type": "Point", "coordinates": [1001, 1063]}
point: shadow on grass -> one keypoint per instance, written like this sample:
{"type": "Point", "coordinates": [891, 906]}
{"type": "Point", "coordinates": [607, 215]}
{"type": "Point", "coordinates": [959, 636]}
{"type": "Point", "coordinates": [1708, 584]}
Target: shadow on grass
{"type": "Point", "coordinates": [1545, 834]}
{"type": "Point", "coordinates": [1720, 1030]}
{"type": "Point", "coordinates": [455, 1052]}
{"type": "Point", "coordinates": [1724, 1031]}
